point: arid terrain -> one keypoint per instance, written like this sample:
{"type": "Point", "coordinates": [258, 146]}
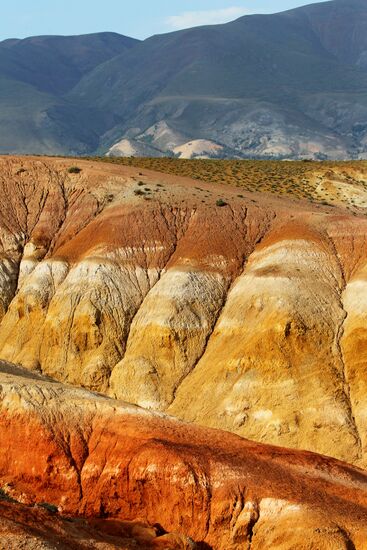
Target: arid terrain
{"type": "Point", "coordinates": [99, 458]}
{"type": "Point", "coordinates": [146, 315]}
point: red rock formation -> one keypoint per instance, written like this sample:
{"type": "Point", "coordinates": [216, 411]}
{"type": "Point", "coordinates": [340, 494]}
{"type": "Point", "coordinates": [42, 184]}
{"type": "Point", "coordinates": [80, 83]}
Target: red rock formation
{"type": "Point", "coordinates": [94, 457]}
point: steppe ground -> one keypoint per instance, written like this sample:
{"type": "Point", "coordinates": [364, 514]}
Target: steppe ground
{"type": "Point", "coordinates": [327, 183]}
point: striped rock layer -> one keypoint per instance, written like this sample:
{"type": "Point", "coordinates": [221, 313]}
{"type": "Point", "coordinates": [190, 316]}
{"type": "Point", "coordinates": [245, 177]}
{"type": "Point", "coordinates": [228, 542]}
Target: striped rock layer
{"type": "Point", "coordinates": [249, 317]}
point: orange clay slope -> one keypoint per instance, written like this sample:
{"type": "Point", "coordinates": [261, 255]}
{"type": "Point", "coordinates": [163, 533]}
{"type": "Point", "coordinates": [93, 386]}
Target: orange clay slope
{"type": "Point", "coordinates": [233, 309]}
{"type": "Point", "coordinates": [94, 457]}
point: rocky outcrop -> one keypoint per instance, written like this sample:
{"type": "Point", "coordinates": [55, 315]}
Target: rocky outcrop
{"type": "Point", "coordinates": [241, 311]}
{"type": "Point", "coordinates": [95, 457]}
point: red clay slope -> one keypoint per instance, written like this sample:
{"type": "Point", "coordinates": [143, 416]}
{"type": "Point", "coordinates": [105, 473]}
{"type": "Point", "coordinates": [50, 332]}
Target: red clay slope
{"type": "Point", "coordinates": [99, 458]}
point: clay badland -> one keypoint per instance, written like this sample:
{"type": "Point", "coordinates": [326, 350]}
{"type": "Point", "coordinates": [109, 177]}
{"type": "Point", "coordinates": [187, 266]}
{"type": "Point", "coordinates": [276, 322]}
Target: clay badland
{"type": "Point", "coordinates": [175, 352]}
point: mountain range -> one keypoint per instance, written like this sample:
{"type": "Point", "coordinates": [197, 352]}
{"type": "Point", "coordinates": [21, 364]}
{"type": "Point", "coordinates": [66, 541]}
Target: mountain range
{"type": "Point", "coordinates": [287, 85]}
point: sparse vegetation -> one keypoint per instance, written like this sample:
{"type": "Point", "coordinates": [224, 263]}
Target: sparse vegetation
{"type": "Point", "coordinates": [221, 202]}
{"type": "Point", "coordinates": [50, 507]}
{"type": "Point", "coordinates": [74, 170]}
{"type": "Point", "coordinates": [5, 496]}
{"type": "Point", "coordinates": [292, 179]}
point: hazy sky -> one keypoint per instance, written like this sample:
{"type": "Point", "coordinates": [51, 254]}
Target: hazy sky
{"type": "Point", "coordinates": [137, 18]}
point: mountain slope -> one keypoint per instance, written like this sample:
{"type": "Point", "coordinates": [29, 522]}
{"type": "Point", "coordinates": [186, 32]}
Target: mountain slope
{"type": "Point", "coordinates": [341, 28]}
{"type": "Point", "coordinates": [35, 74]}
{"type": "Point", "coordinates": [40, 122]}
{"type": "Point", "coordinates": [287, 85]}
{"type": "Point", "coordinates": [263, 85]}
{"type": "Point", "coordinates": [54, 64]}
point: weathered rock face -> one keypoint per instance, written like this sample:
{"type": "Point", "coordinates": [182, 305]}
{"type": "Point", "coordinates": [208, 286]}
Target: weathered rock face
{"type": "Point", "coordinates": [248, 317]}
{"type": "Point", "coordinates": [96, 457]}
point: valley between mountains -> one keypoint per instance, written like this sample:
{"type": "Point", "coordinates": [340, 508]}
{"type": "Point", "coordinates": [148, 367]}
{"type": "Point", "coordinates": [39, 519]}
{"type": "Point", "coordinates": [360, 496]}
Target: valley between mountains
{"type": "Point", "coordinates": [142, 311]}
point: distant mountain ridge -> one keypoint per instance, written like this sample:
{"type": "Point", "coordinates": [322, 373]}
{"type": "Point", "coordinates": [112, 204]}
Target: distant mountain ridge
{"type": "Point", "coordinates": [56, 63]}
{"type": "Point", "coordinates": [35, 75]}
{"type": "Point", "coordinates": [288, 85]}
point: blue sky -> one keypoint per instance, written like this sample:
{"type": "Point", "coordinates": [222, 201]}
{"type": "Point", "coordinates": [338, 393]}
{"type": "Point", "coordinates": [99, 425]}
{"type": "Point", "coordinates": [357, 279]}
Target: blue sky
{"type": "Point", "coordinates": [137, 18]}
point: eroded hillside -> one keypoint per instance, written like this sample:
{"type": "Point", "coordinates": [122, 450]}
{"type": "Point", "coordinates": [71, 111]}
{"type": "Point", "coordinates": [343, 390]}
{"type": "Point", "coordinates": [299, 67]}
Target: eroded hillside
{"type": "Point", "coordinates": [241, 310]}
{"type": "Point", "coordinates": [95, 457]}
